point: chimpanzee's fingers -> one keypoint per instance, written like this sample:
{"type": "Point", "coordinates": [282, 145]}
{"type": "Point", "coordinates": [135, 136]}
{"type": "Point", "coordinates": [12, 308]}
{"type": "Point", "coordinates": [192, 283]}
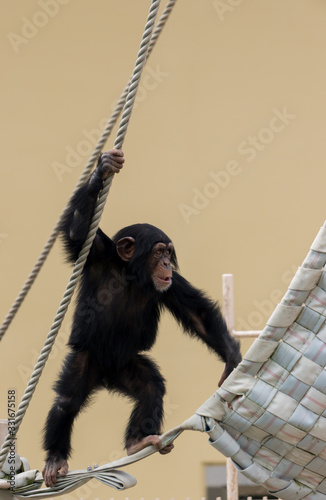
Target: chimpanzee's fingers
{"type": "Point", "coordinates": [114, 152]}
{"type": "Point", "coordinates": [111, 166]}
{"type": "Point", "coordinates": [112, 160]}
{"type": "Point", "coordinates": [114, 168]}
{"type": "Point", "coordinates": [49, 476]}
{"type": "Point", "coordinates": [118, 161]}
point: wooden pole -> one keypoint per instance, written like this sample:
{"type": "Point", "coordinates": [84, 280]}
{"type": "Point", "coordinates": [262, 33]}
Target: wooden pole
{"type": "Point", "coordinates": [232, 490]}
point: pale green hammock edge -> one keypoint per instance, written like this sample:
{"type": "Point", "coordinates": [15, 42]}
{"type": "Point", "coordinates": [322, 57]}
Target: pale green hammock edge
{"type": "Point", "coordinates": [275, 432]}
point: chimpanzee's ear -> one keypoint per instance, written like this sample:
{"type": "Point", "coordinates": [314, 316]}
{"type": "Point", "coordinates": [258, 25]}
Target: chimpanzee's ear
{"type": "Point", "coordinates": [125, 248]}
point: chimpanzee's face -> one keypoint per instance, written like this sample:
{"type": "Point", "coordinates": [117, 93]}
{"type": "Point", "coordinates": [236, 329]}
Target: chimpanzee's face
{"type": "Point", "coordinates": [160, 266]}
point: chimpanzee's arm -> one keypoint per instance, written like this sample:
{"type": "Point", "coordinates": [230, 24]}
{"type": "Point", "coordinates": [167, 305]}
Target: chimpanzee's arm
{"type": "Point", "coordinates": [76, 222]}
{"type": "Point", "coordinates": [202, 317]}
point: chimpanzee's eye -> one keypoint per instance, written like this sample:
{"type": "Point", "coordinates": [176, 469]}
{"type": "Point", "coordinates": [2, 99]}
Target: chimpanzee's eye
{"type": "Point", "coordinates": [158, 253]}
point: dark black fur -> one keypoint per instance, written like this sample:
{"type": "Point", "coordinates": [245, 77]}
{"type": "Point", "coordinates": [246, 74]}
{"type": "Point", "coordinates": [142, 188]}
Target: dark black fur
{"type": "Point", "coordinates": [116, 319]}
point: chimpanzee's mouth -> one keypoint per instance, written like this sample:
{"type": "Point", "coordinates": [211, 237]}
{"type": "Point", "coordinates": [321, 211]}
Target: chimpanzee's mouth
{"type": "Point", "coordinates": [166, 280]}
{"type": "Point", "coordinates": [162, 283]}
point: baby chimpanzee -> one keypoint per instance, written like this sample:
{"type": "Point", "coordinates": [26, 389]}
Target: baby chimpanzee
{"type": "Point", "coordinates": [126, 283]}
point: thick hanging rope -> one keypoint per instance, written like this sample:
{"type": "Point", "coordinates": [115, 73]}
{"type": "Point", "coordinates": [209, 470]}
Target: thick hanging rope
{"type": "Point", "coordinates": [91, 162]}
{"type": "Point", "coordinates": [79, 265]}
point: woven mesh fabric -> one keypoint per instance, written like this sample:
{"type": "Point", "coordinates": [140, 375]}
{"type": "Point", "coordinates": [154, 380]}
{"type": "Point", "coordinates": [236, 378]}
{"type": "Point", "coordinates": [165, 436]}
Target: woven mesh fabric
{"type": "Point", "coordinates": [270, 414]}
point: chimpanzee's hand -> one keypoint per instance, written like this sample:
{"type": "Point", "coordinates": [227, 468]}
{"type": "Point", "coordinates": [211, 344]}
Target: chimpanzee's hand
{"type": "Point", "coordinates": [111, 161]}
{"type": "Point", "coordinates": [227, 370]}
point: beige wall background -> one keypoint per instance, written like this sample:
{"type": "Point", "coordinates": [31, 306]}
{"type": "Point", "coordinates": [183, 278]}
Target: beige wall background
{"type": "Point", "coordinates": [225, 152]}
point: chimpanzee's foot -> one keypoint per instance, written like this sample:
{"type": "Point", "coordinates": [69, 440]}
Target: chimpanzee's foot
{"type": "Point", "coordinates": [147, 441]}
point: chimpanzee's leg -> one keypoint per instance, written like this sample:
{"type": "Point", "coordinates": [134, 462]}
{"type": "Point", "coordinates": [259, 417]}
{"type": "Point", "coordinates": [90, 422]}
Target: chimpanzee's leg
{"type": "Point", "coordinates": [78, 379]}
{"type": "Point", "coordinates": [142, 381]}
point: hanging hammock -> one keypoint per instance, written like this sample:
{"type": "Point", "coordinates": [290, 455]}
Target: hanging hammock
{"type": "Point", "coordinates": [269, 416]}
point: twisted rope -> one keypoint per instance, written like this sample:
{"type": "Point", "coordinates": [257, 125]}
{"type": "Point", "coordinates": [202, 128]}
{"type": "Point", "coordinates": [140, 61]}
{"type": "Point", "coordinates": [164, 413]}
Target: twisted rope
{"type": "Point", "coordinates": [140, 63]}
{"type": "Point", "coordinates": [91, 162]}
